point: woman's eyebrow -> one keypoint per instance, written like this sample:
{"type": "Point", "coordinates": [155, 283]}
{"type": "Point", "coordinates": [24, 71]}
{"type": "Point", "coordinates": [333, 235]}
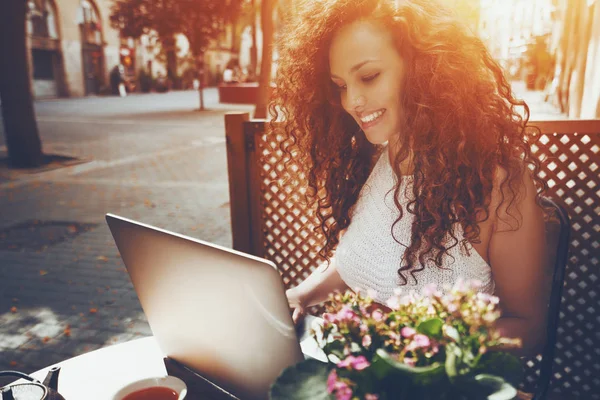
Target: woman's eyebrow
{"type": "Point", "coordinates": [356, 67]}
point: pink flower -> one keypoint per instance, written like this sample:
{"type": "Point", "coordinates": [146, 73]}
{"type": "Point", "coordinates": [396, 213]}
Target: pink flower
{"type": "Point", "coordinates": [419, 341]}
{"type": "Point", "coordinates": [341, 389]}
{"type": "Point", "coordinates": [331, 318]}
{"type": "Point", "coordinates": [393, 303]}
{"type": "Point", "coordinates": [371, 396]}
{"type": "Point", "coordinates": [366, 340]}
{"type": "Point", "coordinates": [357, 363]}
{"type": "Point", "coordinates": [345, 363]}
{"type": "Point", "coordinates": [395, 338]}
{"type": "Point", "coordinates": [364, 328]}
{"type": "Point", "coordinates": [331, 381]}
{"type": "Point", "coordinates": [346, 314]}
{"type": "Point", "coordinates": [377, 315]}
{"type": "Point", "coordinates": [343, 392]}
{"type": "Point", "coordinates": [483, 296]}
{"type": "Point", "coordinates": [372, 293]}
{"type": "Point", "coordinates": [408, 332]}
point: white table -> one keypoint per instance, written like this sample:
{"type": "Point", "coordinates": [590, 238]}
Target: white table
{"type": "Point", "coordinates": [100, 373]}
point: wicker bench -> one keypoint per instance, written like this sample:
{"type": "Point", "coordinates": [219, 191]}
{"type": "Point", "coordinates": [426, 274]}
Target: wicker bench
{"type": "Point", "coordinates": [267, 224]}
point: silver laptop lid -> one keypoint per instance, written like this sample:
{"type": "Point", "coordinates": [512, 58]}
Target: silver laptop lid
{"type": "Point", "coordinates": [219, 311]}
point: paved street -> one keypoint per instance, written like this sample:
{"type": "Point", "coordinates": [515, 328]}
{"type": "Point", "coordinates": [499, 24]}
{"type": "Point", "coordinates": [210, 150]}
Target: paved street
{"type": "Point", "coordinates": [151, 157]}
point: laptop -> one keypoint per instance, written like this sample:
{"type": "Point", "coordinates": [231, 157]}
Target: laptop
{"type": "Point", "coordinates": [221, 312]}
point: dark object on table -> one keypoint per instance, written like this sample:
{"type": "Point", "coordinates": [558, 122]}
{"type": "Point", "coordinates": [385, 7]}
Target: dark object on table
{"type": "Point", "coordinates": [32, 390]}
{"type": "Point", "coordinates": [198, 386]}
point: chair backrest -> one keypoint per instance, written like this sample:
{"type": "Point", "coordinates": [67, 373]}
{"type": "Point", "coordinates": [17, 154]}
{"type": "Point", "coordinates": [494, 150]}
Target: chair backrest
{"type": "Point", "coordinates": [267, 222]}
{"type": "Point", "coordinates": [538, 369]}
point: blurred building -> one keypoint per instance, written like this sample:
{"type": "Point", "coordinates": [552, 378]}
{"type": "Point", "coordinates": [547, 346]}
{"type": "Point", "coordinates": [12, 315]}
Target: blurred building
{"type": "Point", "coordinates": [508, 26]}
{"type": "Point", "coordinates": [73, 50]}
{"type": "Point", "coordinates": [72, 47]}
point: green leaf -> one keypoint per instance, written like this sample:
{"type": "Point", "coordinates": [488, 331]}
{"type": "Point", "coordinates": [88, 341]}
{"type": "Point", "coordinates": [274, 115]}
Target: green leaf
{"type": "Point", "coordinates": [491, 381]}
{"type": "Point", "coordinates": [453, 354]}
{"type": "Point", "coordinates": [501, 364]}
{"type": "Point", "coordinates": [452, 333]}
{"type": "Point", "coordinates": [384, 365]}
{"type": "Point", "coordinates": [306, 380]}
{"type": "Point", "coordinates": [335, 347]}
{"type": "Point", "coordinates": [506, 392]}
{"type": "Point", "coordinates": [500, 389]}
{"type": "Point", "coordinates": [431, 327]}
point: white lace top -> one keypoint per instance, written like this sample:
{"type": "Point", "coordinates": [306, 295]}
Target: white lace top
{"type": "Point", "coordinates": [368, 257]}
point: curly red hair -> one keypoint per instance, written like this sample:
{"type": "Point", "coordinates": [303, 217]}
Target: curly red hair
{"type": "Point", "coordinates": [460, 122]}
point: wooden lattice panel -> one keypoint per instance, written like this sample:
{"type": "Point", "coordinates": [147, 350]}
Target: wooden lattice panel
{"type": "Point", "coordinates": [289, 237]}
{"type": "Point", "coordinates": [572, 170]}
{"type": "Point", "coordinates": [571, 166]}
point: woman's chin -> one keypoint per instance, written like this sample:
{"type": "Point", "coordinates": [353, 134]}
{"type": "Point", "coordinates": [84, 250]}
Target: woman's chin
{"type": "Point", "coordinates": [377, 138]}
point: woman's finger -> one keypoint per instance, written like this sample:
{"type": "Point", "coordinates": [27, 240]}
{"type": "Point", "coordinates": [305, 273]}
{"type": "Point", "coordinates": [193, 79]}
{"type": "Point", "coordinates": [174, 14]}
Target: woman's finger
{"type": "Point", "coordinates": [298, 315]}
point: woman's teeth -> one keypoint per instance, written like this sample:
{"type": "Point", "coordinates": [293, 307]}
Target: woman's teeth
{"type": "Point", "coordinates": [372, 117]}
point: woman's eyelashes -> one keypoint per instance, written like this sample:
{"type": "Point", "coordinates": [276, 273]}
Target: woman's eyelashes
{"type": "Point", "coordinates": [370, 78]}
{"type": "Point", "coordinates": [365, 79]}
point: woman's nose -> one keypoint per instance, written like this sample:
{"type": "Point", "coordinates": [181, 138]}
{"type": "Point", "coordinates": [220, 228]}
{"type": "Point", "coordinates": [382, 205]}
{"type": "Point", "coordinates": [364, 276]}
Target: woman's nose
{"type": "Point", "coordinates": [359, 101]}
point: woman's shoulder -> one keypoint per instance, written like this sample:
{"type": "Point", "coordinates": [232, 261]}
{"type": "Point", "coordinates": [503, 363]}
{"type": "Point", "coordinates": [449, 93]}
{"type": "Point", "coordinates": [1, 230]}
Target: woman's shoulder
{"type": "Point", "coordinates": [513, 194]}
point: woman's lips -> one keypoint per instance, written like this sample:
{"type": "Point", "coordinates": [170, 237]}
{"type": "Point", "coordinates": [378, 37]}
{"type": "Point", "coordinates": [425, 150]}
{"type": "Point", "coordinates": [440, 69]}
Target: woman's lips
{"type": "Point", "coordinates": [366, 125]}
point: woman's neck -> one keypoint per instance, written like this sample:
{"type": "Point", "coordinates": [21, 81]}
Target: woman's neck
{"type": "Point", "coordinates": [407, 166]}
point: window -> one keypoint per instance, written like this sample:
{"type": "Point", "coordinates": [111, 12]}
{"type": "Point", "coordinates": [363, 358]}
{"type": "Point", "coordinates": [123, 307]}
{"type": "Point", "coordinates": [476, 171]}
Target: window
{"type": "Point", "coordinates": [41, 21]}
{"type": "Point", "coordinates": [90, 23]}
{"type": "Point", "coordinates": [43, 64]}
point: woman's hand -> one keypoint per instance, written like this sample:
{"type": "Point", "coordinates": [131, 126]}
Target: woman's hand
{"type": "Point", "coordinates": [297, 304]}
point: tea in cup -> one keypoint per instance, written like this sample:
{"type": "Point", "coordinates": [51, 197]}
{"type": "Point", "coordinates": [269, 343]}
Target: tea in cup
{"type": "Point", "coordinates": [162, 388]}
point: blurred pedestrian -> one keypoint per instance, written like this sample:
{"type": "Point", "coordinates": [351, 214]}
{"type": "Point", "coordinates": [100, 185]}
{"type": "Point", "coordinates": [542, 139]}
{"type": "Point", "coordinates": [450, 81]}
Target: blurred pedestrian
{"type": "Point", "coordinates": [232, 72]}
{"type": "Point", "coordinates": [117, 80]}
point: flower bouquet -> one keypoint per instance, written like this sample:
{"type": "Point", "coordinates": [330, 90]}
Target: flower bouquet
{"type": "Point", "coordinates": [422, 346]}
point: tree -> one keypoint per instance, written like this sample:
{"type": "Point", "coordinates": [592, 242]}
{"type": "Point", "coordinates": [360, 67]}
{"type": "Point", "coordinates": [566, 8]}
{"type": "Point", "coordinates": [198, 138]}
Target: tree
{"type": "Point", "coordinates": [22, 137]}
{"type": "Point", "coordinates": [254, 48]}
{"type": "Point", "coordinates": [137, 17]}
{"type": "Point", "coordinates": [575, 26]}
{"type": "Point", "coordinates": [201, 21]}
{"type": "Point", "coordinates": [584, 31]}
{"type": "Point", "coordinates": [264, 82]}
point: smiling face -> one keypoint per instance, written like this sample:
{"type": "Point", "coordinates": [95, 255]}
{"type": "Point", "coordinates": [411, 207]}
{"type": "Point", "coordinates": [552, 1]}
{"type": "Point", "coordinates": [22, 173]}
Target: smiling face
{"type": "Point", "coordinates": [368, 71]}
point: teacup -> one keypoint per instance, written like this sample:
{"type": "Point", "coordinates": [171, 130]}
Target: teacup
{"type": "Point", "coordinates": [160, 388]}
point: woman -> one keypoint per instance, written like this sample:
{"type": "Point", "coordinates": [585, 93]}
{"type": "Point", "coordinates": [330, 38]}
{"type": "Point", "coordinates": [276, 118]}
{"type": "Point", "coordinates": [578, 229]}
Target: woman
{"type": "Point", "coordinates": [415, 154]}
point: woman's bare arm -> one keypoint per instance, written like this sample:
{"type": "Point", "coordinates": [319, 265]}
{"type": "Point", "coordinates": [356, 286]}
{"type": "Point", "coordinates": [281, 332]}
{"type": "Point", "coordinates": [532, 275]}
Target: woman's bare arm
{"type": "Point", "coordinates": [517, 258]}
{"type": "Point", "coordinates": [320, 283]}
